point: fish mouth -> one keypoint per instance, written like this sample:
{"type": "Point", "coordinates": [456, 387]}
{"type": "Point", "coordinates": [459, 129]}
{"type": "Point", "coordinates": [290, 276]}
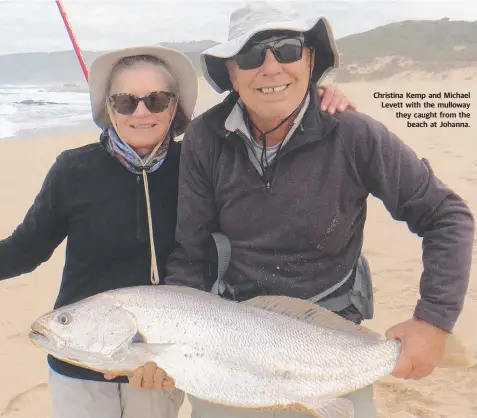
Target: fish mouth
{"type": "Point", "coordinates": [38, 335]}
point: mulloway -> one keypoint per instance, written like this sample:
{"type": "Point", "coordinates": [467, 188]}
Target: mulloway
{"type": "Point", "coordinates": [269, 352]}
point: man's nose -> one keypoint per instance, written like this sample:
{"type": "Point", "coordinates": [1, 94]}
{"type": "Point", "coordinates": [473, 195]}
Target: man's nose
{"type": "Point", "coordinates": [270, 65]}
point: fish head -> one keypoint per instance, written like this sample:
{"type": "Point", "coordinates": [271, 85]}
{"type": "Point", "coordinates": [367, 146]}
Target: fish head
{"type": "Point", "coordinates": [91, 331]}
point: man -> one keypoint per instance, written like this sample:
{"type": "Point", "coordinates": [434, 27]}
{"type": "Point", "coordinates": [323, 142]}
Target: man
{"type": "Point", "coordinates": [287, 184]}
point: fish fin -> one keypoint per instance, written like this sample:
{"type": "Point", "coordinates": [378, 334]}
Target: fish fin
{"type": "Point", "coordinates": [152, 349]}
{"type": "Point", "coordinates": [335, 408]}
{"type": "Point", "coordinates": [190, 291]}
{"type": "Point", "coordinates": [456, 355]}
{"type": "Point", "coordinates": [138, 338]}
{"type": "Point", "coordinates": [310, 313]}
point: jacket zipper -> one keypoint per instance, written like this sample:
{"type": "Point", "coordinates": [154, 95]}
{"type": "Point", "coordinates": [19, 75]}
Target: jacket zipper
{"type": "Point", "coordinates": [264, 180]}
{"type": "Point", "coordinates": [273, 167]}
{"type": "Point", "coordinates": [268, 182]}
{"type": "Point", "coordinates": [138, 208]}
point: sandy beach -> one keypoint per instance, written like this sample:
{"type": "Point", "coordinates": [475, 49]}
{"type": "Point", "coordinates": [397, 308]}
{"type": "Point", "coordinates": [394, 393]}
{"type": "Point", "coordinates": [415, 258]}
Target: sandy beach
{"type": "Point", "coordinates": [395, 263]}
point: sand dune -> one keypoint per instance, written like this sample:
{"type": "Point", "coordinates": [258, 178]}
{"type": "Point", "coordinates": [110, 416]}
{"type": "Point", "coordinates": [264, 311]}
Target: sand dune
{"type": "Point", "coordinates": [395, 262]}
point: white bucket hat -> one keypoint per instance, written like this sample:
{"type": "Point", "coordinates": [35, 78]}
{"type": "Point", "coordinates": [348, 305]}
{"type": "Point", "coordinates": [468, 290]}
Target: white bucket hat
{"type": "Point", "coordinates": [263, 16]}
{"type": "Point", "coordinates": [179, 65]}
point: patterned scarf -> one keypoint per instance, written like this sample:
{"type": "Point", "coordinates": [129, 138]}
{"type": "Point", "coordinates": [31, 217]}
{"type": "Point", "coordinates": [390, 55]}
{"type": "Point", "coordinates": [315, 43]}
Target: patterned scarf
{"type": "Point", "coordinates": [128, 157]}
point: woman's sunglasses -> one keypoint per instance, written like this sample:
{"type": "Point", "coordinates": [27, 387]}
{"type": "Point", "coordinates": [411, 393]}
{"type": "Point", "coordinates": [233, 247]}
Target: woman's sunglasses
{"type": "Point", "coordinates": [155, 102]}
{"type": "Point", "coordinates": [285, 50]}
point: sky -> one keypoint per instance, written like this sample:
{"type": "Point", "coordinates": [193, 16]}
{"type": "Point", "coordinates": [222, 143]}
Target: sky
{"type": "Point", "coordinates": [36, 25]}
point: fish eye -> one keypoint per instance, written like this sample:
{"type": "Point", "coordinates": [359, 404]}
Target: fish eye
{"type": "Point", "coordinates": [64, 318]}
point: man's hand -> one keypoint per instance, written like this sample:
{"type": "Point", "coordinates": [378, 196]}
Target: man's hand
{"type": "Point", "coordinates": [332, 99]}
{"type": "Point", "coordinates": [422, 348]}
{"type": "Point", "coordinates": [148, 376]}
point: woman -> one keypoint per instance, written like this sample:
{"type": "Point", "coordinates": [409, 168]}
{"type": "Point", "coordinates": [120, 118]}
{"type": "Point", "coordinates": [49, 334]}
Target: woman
{"type": "Point", "coordinates": [116, 203]}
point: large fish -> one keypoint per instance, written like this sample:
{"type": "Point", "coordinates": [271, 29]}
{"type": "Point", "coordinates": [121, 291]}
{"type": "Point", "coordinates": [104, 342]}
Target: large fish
{"type": "Point", "coordinates": [269, 352]}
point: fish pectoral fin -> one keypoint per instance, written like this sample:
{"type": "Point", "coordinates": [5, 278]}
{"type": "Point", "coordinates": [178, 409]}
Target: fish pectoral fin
{"type": "Point", "coordinates": [456, 355]}
{"type": "Point", "coordinates": [335, 408]}
{"type": "Point", "coordinates": [158, 353]}
{"type": "Point", "coordinates": [155, 349]}
{"type": "Point", "coordinates": [311, 314]}
{"type": "Point", "coordinates": [138, 338]}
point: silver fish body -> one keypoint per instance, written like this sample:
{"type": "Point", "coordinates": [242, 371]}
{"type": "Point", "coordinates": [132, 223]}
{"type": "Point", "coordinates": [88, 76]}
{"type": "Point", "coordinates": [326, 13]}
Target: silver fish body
{"type": "Point", "coordinates": [267, 352]}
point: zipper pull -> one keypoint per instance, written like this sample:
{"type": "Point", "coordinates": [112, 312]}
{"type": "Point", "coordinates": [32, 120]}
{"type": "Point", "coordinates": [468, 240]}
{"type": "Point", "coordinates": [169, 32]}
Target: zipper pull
{"type": "Point", "coordinates": [266, 178]}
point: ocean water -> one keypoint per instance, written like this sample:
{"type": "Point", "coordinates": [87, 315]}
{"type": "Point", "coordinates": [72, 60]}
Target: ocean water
{"type": "Point", "coordinates": [30, 107]}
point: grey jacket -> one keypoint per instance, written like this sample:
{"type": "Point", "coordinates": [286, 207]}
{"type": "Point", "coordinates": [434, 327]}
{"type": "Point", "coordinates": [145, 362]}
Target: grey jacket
{"type": "Point", "coordinates": [299, 229]}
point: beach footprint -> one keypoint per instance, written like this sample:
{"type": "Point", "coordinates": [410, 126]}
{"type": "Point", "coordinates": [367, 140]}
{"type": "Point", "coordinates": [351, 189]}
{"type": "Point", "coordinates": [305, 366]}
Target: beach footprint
{"type": "Point", "coordinates": [33, 402]}
{"type": "Point", "coordinates": [398, 399]}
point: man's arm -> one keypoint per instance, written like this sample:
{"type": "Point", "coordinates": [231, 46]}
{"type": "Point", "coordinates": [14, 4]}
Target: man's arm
{"type": "Point", "coordinates": [391, 171]}
{"type": "Point", "coordinates": [197, 216]}
{"type": "Point", "coordinates": [42, 230]}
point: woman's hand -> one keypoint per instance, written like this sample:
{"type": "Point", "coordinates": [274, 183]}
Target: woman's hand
{"type": "Point", "coordinates": [333, 99]}
{"type": "Point", "coordinates": [148, 376]}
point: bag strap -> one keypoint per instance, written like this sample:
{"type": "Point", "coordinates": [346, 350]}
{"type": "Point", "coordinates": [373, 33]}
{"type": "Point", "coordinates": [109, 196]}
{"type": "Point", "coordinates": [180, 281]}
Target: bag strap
{"type": "Point", "coordinates": [224, 252]}
{"type": "Point", "coordinates": [331, 289]}
{"type": "Point", "coordinates": [336, 304]}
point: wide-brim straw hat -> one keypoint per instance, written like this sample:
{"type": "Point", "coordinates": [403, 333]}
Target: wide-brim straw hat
{"type": "Point", "coordinates": [178, 64]}
{"type": "Point", "coordinates": [259, 17]}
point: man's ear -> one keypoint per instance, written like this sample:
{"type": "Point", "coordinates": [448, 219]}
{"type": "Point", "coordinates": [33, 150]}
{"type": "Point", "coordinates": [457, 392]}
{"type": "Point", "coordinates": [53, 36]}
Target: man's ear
{"type": "Point", "coordinates": [232, 69]}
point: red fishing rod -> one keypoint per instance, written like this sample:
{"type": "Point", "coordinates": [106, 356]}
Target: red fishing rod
{"type": "Point", "coordinates": [72, 38]}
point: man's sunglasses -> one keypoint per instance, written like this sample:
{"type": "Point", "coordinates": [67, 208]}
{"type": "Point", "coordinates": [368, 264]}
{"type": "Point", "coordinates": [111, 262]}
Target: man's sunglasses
{"type": "Point", "coordinates": [285, 50]}
{"type": "Point", "coordinates": [155, 102]}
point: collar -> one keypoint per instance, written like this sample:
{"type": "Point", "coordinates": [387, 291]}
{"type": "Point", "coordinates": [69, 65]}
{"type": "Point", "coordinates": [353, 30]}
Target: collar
{"type": "Point", "coordinates": [236, 121]}
{"type": "Point", "coordinates": [111, 142]}
{"type": "Point", "coordinates": [315, 125]}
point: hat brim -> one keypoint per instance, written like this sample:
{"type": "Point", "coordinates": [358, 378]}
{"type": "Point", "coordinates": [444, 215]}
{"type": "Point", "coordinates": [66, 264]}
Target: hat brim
{"type": "Point", "coordinates": [212, 60]}
{"type": "Point", "coordinates": [177, 63]}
